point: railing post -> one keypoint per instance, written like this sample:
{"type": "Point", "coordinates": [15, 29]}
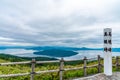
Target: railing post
{"type": "Point", "coordinates": [85, 63]}
{"type": "Point", "coordinates": [99, 65]}
{"type": "Point", "coordinates": [32, 69]}
{"type": "Point", "coordinates": [117, 62]}
{"type": "Point", "coordinates": [61, 69]}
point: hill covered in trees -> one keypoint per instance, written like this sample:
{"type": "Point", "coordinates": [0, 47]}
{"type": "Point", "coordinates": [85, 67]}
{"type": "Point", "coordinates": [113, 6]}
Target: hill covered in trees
{"type": "Point", "coordinates": [13, 58]}
{"type": "Point", "coordinates": [56, 53]}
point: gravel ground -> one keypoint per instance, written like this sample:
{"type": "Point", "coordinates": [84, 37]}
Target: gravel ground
{"type": "Point", "coordinates": [101, 76]}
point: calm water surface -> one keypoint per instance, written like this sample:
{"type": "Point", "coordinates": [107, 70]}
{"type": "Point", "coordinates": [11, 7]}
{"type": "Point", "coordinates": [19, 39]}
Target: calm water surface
{"type": "Point", "coordinates": [80, 55]}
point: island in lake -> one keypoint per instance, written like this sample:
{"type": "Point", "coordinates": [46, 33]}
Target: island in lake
{"type": "Point", "coordinates": [56, 53]}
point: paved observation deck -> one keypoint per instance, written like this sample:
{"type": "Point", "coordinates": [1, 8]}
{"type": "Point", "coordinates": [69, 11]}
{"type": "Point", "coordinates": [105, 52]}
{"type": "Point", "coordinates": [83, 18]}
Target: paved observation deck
{"type": "Point", "coordinates": [101, 76]}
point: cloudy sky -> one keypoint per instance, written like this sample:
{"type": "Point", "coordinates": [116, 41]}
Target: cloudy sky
{"type": "Point", "coordinates": [73, 23]}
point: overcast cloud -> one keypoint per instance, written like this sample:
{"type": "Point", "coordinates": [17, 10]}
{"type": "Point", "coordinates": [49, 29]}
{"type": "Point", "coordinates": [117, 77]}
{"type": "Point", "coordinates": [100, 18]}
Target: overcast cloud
{"type": "Point", "coordinates": [74, 23]}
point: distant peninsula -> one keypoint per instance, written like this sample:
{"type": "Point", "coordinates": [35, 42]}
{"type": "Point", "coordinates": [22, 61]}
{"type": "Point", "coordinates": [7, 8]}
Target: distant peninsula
{"type": "Point", "coordinates": [56, 53]}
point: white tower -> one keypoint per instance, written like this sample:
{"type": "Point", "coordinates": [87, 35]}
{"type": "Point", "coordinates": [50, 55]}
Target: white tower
{"type": "Point", "coordinates": [107, 51]}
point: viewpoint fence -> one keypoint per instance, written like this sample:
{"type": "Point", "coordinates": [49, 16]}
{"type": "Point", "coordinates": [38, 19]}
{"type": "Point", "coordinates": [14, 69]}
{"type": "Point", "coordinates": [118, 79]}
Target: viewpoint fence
{"type": "Point", "coordinates": [61, 69]}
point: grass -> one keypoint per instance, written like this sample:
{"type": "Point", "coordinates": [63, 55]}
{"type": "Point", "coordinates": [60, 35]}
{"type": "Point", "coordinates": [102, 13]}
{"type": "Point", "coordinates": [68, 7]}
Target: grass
{"type": "Point", "coordinates": [14, 69]}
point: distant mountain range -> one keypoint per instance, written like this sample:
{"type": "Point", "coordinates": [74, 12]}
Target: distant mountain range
{"type": "Point", "coordinates": [63, 48]}
{"type": "Point", "coordinates": [47, 47]}
{"type": "Point", "coordinates": [38, 48]}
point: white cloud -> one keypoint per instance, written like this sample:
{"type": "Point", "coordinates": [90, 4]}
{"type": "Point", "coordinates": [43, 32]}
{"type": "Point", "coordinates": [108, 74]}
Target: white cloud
{"type": "Point", "coordinates": [58, 22]}
{"type": "Point", "coordinates": [6, 39]}
{"type": "Point", "coordinates": [7, 43]}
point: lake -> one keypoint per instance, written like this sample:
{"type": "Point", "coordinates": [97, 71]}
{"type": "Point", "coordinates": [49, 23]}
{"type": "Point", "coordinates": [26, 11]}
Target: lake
{"type": "Point", "coordinates": [80, 55]}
